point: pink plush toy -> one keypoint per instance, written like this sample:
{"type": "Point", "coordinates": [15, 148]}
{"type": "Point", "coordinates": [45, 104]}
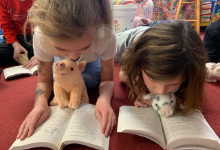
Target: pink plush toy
{"type": "Point", "coordinates": [213, 70]}
{"type": "Point", "coordinates": [69, 86]}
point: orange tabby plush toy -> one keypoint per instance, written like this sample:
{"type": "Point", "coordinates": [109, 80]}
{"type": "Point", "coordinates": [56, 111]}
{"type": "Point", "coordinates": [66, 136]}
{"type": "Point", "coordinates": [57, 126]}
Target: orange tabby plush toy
{"type": "Point", "coordinates": [69, 86]}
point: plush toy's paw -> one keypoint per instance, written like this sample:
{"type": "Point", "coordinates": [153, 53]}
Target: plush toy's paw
{"type": "Point", "coordinates": [166, 111]}
{"type": "Point", "coordinates": [63, 103]}
{"type": "Point", "coordinates": [54, 102]}
{"type": "Point", "coordinates": [73, 104]}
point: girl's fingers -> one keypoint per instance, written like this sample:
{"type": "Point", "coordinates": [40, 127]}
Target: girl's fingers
{"type": "Point", "coordinates": [108, 128]}
{"type": "Point", "coordinates": [28, 65]}
{"type": "Point", "coordinates": [146, 101]}
{"type": "Point", "coordinates": [104, 121]}
{"type": "Point", "coordinates": [138, 103]}
{"type": "Point", "coordinates": [16, 58]}
{"type": "Point", "coordinates": [99, 117]}
{"type": "Point", "coordinates": [113, 124]}
{"type": "Point", "coordinates": [21, 129]}
{"type": "Point", "coordinates": [135, 104]}
{"type": "Point", "coordinates": [41, 120]}
{"type": "Point", "coordinates": [26, 130]}
{"type": "Point", "coordinates": [31, 126]}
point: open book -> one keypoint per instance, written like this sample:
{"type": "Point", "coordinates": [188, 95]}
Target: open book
{"type": "Point", "coordinates": [174, 132]}
{"type": "Point", "coordinates": [66, 126]}
{"type": "Point", "coordinates": [19, 70]}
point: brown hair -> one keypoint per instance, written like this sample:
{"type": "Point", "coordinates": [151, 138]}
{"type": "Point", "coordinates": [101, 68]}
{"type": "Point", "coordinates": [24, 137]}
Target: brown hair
{"type": "Point", "coordinates": [65, 20]}
{"type": "Point", "coordinates": [165, 51]}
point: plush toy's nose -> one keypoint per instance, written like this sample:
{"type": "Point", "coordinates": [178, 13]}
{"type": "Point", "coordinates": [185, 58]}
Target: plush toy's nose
{"type": "Point", "coordinates": [59, 66]}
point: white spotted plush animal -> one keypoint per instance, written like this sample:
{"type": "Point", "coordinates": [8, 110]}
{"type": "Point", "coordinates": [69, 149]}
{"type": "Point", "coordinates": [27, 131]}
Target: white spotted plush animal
{"type": "Point", "coordinates": [164, 105]}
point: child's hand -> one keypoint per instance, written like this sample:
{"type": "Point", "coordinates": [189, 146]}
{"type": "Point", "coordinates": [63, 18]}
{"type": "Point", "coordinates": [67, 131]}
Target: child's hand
{"type": "Point", "coordinates": [34, 119]}
{"type": "Point", "coordinates": [106, 116]}
{"type": "Point", "coordinates": [145, 21]}
{"type": "Point", "coordinates": [31, 63]}
{"type": "Point", "coordinates": [18, 49]}
{"type": "Point", "coordinates": [141, 102]}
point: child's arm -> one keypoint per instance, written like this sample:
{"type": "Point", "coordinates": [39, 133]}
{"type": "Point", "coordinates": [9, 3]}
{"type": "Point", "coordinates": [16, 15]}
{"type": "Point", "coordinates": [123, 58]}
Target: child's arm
{"type": "Point", "coordinates": [103, 109]}
{"type": "Point", "coordinates": [31, 63]}
{"type": "Point", "coordinates": [148, 12]}
{"type": "Point", "coordinates": [41, 110]}
{"type": "Point", "coordinates": [139, 101]}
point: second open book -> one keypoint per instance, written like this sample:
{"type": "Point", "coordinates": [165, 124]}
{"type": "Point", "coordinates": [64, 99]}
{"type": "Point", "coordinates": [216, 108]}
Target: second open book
{"type": "Point", "coordinates": [174, 132]}
{"type": "Point", "coordinates": [19, 70]}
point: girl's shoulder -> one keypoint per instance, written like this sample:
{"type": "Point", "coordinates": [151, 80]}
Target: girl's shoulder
{"type": "Point", "coordinates": [135, 32]}
{"type": "Point", "coordinates": [41, 42]}
{"type": "Point", "coordinates": [38, 34]}
{"type": "Point", "coordinates": [104, 40]}
{"type": "Point", "coordinates": [39, 37]}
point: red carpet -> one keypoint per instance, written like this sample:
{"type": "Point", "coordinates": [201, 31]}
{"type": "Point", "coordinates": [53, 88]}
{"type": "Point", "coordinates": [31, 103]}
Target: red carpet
{"type": "Point", "coordinates": [17, 100]}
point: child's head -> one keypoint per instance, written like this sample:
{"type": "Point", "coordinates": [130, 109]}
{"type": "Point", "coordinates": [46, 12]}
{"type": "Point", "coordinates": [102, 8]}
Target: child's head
{"type": "Point", "coordinates": [171, 57]}
{"type": "Point", "coordinates": [69, 19]}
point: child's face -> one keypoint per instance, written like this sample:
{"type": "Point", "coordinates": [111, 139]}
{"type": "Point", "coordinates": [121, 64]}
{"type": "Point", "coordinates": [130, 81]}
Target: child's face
{"type": "Point", "coordinates": [73, 49]}
{"type": "Point", "coordinates": [162, 87]}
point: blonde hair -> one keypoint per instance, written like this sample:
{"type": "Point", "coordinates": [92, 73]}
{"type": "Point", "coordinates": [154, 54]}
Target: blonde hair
{"type": "Point", "coordinates": [165, 51]}
{"type": "Point", "coordinates": [68, 19]}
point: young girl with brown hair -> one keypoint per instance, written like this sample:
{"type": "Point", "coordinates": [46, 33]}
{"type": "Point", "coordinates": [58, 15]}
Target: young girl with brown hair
{"type": "Point", "coordinates": [168, 57]}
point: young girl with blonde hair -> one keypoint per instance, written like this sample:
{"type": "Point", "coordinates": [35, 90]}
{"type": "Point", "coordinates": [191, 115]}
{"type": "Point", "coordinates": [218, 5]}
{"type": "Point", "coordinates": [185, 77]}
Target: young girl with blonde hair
{"type": "Point", "coordinates": [168, 57]}
{"type": "Point", "coordinates": [79, 30]}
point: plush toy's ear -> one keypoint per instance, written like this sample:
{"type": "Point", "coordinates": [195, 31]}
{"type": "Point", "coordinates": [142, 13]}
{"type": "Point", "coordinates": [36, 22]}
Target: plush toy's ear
{"type": "Point", "coordinates": [82, 65]}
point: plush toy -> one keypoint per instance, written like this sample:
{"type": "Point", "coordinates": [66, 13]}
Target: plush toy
{"type": "Point", "coordinates": [23, 59]}
{"type": "Point", "coordinates": [213, 70]}
{"type": "Point", "coordinates": [164, 105]}
{"type": "Point", "coordinates": [69, 86]}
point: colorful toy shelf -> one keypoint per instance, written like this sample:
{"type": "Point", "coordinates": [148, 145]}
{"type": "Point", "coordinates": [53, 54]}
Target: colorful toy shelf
{"type": "Point", "coordinates": [209, 11]}
{"type": "Point", "coordinates": [215, 11]}
{"type": "Point", "coordinates": [205, 12]}
{"type": "Point", "coordinates": [204, 24]}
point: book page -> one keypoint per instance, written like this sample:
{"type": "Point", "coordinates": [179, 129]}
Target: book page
{"type": "Point", "coordinates": [141, 121]}
{"type": "Point", "coordinates": [51, 131]}
{"type": "Point", "coordinates": [15, 71]}
{"type": "Point", "coordinates": [84, 128]}
{"type": "Point", "coordinates": [34, 70]}
{"type": "Point", "coordinates": [192, 129]}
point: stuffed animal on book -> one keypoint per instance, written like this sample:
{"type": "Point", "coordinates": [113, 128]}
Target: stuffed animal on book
{"type": "Point", "coordinates": [69, 86]}
{"type": "Point", "coordinates": [164, 105]}
{"type": "Point", "coordinates": [213, 72]}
